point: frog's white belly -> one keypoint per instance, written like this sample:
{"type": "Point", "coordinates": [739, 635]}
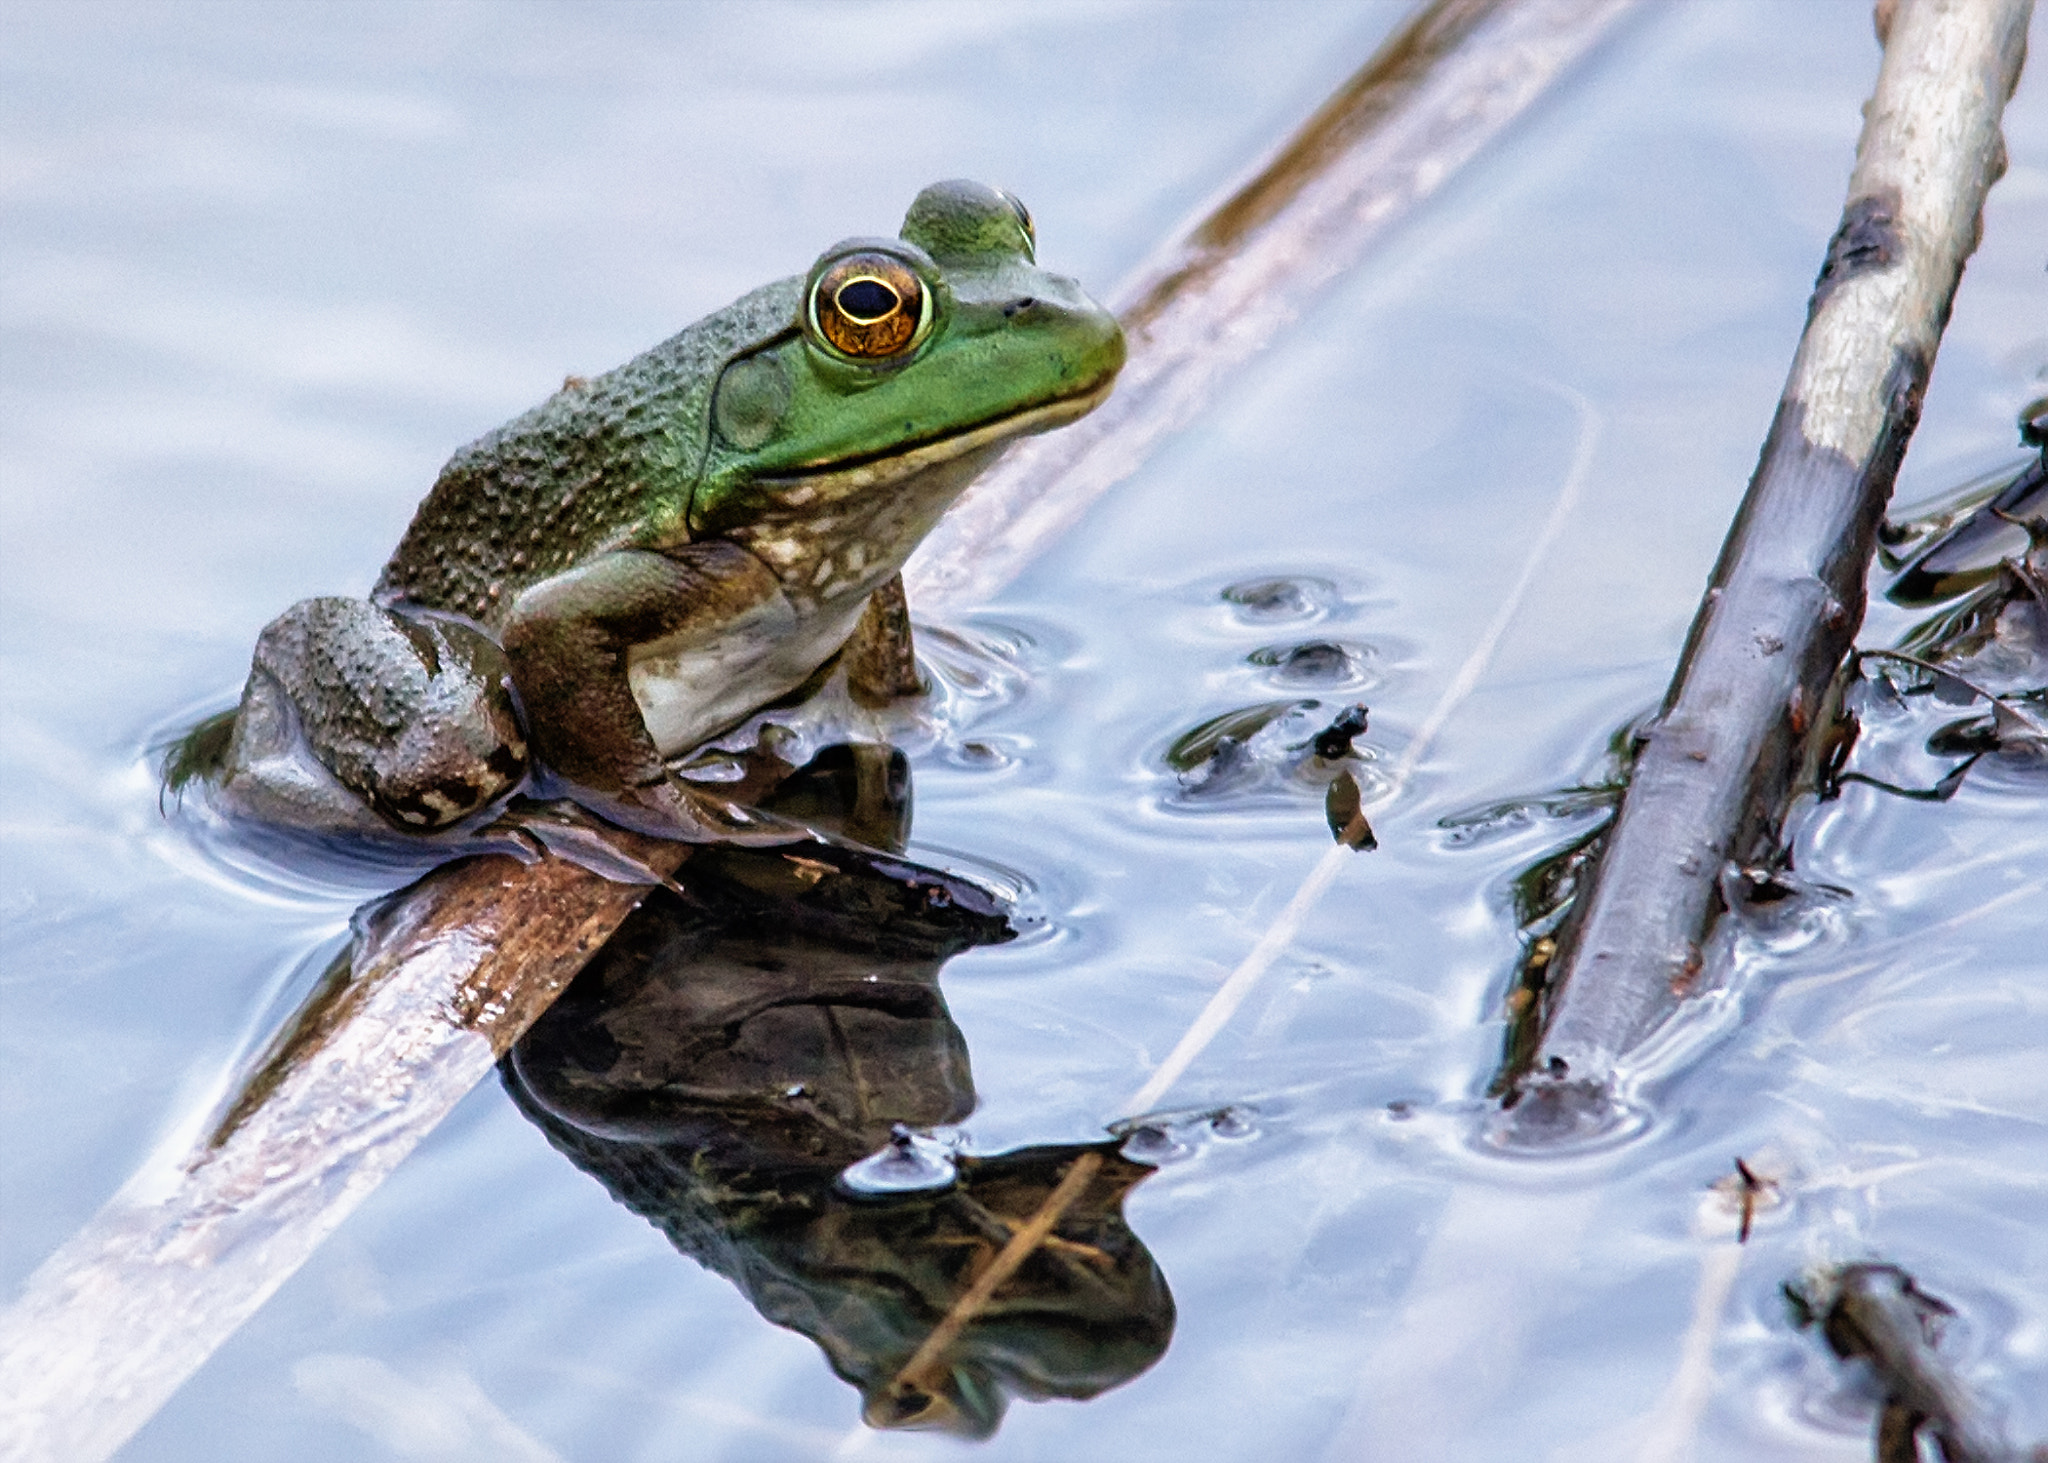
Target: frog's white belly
{"type": "Point", "coordinates": [691, 689]}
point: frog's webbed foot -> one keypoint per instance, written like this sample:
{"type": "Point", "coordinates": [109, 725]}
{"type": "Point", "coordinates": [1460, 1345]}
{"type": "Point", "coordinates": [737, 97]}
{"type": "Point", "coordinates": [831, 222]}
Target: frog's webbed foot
{"type": "Point", "coordinates": [674, 808]}
{"type": "Point", "coordinates": [880, 658]}
{"type": "Point", "coordinates": [358, 717]}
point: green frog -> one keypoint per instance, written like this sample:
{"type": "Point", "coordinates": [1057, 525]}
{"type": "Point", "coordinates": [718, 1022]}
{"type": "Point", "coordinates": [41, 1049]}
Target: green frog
{"type": "Point", "coordinates": [650, 556]}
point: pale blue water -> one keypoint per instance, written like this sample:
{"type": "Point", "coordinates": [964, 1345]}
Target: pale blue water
{"type": "Point", "coordinates": [265, 267]}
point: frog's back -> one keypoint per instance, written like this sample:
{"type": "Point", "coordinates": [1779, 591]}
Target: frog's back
{"type": "Point", "coordinates": [600, 464]}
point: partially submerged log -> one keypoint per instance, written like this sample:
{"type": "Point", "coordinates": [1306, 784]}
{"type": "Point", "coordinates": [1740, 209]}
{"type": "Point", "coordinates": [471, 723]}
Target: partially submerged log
{"type": "Point", "coordinates": [1750, 707]}
{"type": "Point", "coordinates": [440, 981]}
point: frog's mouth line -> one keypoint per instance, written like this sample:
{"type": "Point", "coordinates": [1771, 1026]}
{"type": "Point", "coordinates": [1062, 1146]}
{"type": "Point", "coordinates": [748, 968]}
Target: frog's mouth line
{"type": "Point", "coordinates": [896, 463]}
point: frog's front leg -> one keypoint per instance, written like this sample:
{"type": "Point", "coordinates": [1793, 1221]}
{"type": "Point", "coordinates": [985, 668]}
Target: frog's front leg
{"type": "Point", "coordinates": [573, 639]}
{"type": "Point", "coordinates": [881, 660]}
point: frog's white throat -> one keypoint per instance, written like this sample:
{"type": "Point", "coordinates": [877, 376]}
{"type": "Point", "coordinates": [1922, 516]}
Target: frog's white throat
{"type": "Point", "coordinates": [830, 539]}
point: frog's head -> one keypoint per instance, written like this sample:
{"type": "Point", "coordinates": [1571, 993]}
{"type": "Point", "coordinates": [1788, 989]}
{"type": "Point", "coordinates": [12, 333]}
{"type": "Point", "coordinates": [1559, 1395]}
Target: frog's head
{"type": "Point", "coordinates": [905, 354]}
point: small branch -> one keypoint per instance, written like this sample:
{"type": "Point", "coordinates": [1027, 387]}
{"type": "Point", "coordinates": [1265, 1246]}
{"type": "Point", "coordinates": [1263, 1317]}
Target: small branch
{"type": "Point", "coordinates": [1878, 1314]}
{"type": "Point", "coordinates": [921, 1375]}
{"type": "Point", "coordinates": [1714, 774]}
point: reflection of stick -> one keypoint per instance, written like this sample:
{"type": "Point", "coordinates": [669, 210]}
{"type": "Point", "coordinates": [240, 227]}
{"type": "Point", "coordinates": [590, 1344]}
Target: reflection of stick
{"type": "Point", "coordinates": [1877, 1313]}
{"type": "Point", "coordinates": [927, 1364]}
{"type": "Point", "coordinates": [127, 1309]}
{"type": "Point", "coordinates": [1447, 82]}
{"type": "Point", "coordinates": [444, 979]}
{"type": "Point", "coordinates": [1716, 771]}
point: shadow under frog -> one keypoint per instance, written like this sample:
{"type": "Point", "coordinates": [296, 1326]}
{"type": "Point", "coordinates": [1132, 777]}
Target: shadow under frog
{"type": "Point", "coordinates": [736, 1048]}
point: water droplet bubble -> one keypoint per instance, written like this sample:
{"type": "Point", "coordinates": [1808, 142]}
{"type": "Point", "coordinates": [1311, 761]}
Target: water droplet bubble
{"type": "Point", "coordinates": [912, 1163]}
{"type": "Point", "coordinates": [1162, 1138]}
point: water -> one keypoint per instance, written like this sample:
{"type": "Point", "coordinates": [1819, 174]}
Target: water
{"type": "Point", "coordinates": [263, 274]}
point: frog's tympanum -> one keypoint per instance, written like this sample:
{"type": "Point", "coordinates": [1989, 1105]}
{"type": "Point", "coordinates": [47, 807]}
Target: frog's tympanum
{"type": "Point", "coordinates": [648, 557]}
{"type": "Point", "coordinates": [731, 1052]}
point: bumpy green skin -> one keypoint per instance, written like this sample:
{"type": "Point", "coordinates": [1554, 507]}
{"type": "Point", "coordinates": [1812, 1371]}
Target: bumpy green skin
{"type": "Point", "coordinates": [654, 554]}
{"type": "Point", "coordinates": [599, 465]}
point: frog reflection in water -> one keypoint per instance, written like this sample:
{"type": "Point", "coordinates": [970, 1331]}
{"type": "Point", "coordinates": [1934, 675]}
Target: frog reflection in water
{"type": "Point", "coordinates": [732, 1051]}
{"type": "Point", "coordinates": [649, 557]}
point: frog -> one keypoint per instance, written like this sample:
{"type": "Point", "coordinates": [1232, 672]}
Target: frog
{"type": "Point", "coordinates": [650, 556]}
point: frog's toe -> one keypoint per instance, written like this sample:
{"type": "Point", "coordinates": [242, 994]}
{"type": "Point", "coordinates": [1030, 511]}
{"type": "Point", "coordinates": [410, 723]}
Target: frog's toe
{"type": "Point", "coordinates": [675, 809]}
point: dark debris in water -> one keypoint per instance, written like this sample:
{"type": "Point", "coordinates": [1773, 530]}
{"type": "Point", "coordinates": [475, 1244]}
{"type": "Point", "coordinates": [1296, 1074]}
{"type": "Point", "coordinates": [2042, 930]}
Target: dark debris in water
{"type": "Point", "coordinates": [1334, 741]}
{"type": "Point", "coordinates": [1904, 705]}
{"type": "Point", "coordinates": [1283, 747]}
{"type": "Point", "coordinates": [1313, 662]}
{"type": "Point", "coordinates": [1225, 736]}
{"type": "Point", "coordinates": [1344, 807]}
{"type": "Point", "coordinates": [1969, 552]}
{"type": "Point", "coordinates": [1878, 1314]}
{"type": "Point", "coordinates": [1985, 650]}
{"type": "Point", "coordinates": [1282, 598]}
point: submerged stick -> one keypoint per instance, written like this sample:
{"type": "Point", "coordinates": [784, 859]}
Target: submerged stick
{"type": "Point", "coordinates": [440, 981]}
{"type": "Point", "coordinates": [1877, 1313]}
{"type": "Point", "coordinates": [1445, 84]}
{"type": "Point", "coordinates": [1750, 704]}
{"type": "Point", "coordinates": [121, 1314]}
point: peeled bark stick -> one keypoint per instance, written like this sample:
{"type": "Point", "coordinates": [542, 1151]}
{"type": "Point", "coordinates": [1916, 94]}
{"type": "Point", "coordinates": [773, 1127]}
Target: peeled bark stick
{"type": "Point", "coordinates": [1715, 772]}
{"type": "Point", "coordinates": [1446, 83]}
{"type": "Point", "coordinates": [443, 978]}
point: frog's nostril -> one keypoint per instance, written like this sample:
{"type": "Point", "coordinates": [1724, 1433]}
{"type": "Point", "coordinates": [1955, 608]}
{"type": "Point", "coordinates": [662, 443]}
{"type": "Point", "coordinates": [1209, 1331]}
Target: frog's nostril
{"type": "Point", "coordinates": [1017, 307]}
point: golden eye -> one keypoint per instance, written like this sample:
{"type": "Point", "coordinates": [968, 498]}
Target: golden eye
{"type": "Point", "coordinates": [870, 306]}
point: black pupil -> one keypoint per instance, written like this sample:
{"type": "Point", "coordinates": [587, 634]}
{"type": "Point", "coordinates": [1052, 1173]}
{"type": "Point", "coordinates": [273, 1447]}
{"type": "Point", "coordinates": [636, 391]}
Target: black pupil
{"type": "Point", "coordinates": [867, 299]}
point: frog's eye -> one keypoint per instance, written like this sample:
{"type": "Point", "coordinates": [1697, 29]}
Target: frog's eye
{"type": "Point", "coordinates": [870, 306]}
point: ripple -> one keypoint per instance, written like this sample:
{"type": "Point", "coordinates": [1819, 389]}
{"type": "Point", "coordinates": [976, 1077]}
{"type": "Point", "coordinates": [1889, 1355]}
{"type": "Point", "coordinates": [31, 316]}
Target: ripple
{"type": "Point", "coordinates": [1281, 599]}
{"type": "Point", "coordinates": [1329, 663]}
{"type": "Point", "coordinates": [911, 1163]}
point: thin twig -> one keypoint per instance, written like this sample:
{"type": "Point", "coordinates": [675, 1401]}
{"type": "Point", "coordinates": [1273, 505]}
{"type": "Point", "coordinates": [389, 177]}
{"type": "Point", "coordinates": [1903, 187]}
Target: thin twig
{"type": "Point", "coordinates": [922, 1371]}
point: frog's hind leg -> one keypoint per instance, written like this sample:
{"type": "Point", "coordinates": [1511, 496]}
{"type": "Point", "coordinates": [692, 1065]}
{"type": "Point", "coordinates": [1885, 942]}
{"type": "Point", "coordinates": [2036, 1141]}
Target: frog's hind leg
{"type": "Point", "coordinates": [351, 707]}
{"type": "Point", "coordinates": [880, 658]}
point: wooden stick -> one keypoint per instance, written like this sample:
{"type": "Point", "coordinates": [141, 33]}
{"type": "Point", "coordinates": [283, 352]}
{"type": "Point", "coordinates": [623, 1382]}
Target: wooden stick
{"type": "Point", "coordinates": [1877, 1313]}
{"type": "Point", "coordinates": [443, 978]}
{"type": "Point", "coordinates": [132, 1305]}
{"type": "Point", "coordinates": [1714, 774]}
{"type": "Point", "coordinates": [1446, 83]}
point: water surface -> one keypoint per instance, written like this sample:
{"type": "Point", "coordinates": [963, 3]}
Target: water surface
{"type": "Point", "coordinates": [265, 269]}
